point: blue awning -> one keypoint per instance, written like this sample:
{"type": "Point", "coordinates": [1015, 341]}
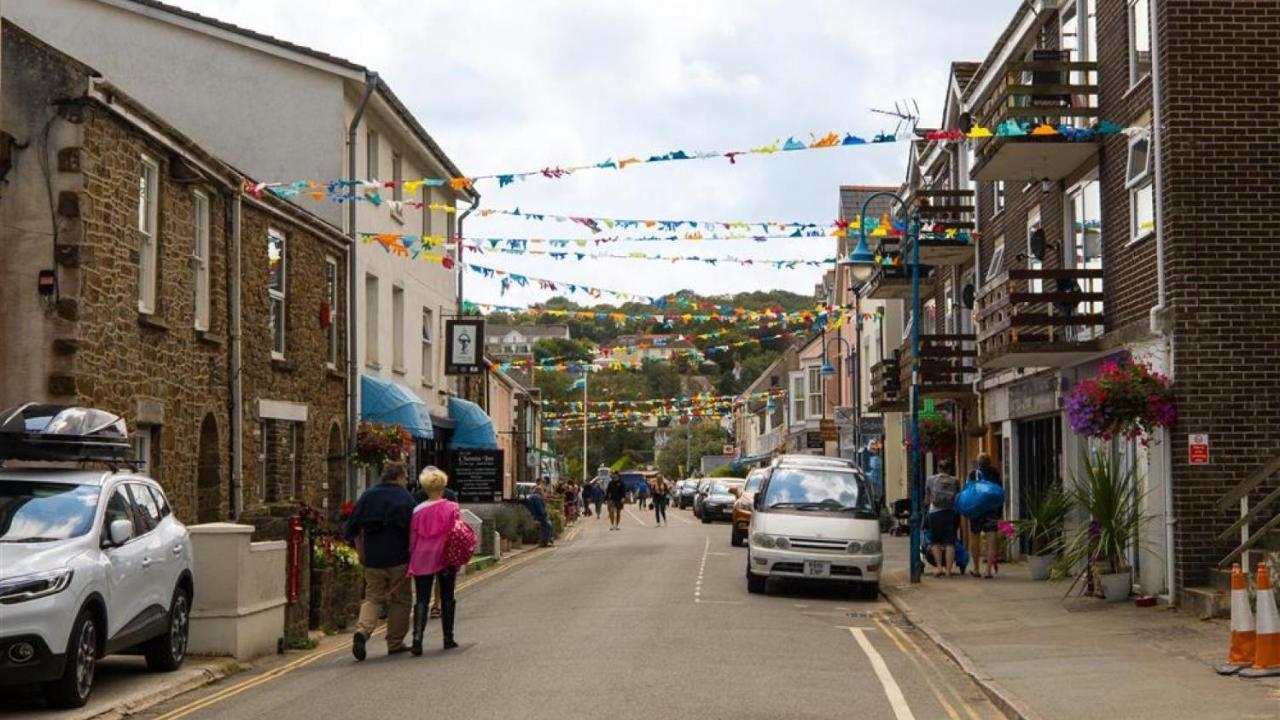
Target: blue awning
{"type": "Point", "coordinates": [383, 401]}
{"type": "Point", "coordinates": [473, 429]}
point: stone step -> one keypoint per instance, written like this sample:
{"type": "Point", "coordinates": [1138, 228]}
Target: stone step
{"type": "Point", "coordinates": [1205, 602]}
{"type": "Point", "coordinates": [1220, 579]}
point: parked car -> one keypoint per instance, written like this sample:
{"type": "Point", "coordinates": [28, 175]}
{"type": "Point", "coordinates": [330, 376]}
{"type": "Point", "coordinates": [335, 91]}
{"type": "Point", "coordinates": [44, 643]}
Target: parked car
{"type": "Point", "coordinates": [525, 489]}
{"type": "Point", "coordinates": [94, 564]}
{"type": "Point", "coordinates": [688, 490]}
{"type": "Point", "coordinates": [700, 495]}
{"type": "Point", "coordinates": [742, 507]}
{"type": "Point", "coordinates": [718, 502]}
{"type": "Point", "coordinates": [815, 521]}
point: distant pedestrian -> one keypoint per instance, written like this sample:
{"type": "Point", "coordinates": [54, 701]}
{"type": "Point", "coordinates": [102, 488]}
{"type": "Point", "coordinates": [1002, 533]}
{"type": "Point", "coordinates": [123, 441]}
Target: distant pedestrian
{"type": "Point", "coordinates": [616, 494]}
{"type": "Point", "coordinates": [642, 494]}
{"type": "Point", "coordinates": [987, 527]}
{"type": "Point", "coordinates": [538, 509]}
{"type": "Point", "coordinates": [597, 488]}
{"type": "Point", "coordinates": [431, 524]}
{"type": "Point", "coordinates": [940, 493]}
{"type": "Point", "coordinates": [661, 496]}
{"type": "Point", "coordinates": [379, 528]}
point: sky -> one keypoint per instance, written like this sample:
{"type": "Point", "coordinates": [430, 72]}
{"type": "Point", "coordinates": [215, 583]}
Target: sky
{"type": "Point", "coordinates": [512, 85]}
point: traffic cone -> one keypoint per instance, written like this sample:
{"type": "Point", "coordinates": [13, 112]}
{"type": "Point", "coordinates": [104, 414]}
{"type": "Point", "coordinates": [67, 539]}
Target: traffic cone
{"type": "Point", "coordinates": [1243, 637]}
{"type": "Point", "coordinates": [1266, 654]}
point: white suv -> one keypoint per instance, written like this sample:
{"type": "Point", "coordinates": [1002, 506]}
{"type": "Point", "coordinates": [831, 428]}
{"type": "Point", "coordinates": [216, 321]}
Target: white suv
{"type": "Point", "coordinates": [92, 562]}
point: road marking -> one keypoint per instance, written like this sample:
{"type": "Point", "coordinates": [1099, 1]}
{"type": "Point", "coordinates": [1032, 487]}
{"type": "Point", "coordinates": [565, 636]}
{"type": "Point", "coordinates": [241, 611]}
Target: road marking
{"type": "Point", "coordinates": [636, 517]}
{"type": "Point", "coordinates": [702, 568]}
{"type": "Point", "coordinates": [891, 633]}
{"type": "Point", "coordinates": [683, 519]}
{"type": "Point", "coordinates": [933, 670]}
{"type": "Point", "coordinates": [901, 711]}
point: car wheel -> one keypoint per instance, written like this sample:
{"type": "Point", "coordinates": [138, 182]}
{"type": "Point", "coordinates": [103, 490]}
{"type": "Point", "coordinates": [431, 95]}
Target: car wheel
{"type": "Point", "coordinates": [755, 583]}
{"type": "Point", "coordinates": [72, 689]}
{"type": "Point", "coordinates": [867, 591]}
{"type": "Point", "coordinates": [737, 538]}
{"type": "Point", "coordinates": [166, 652]}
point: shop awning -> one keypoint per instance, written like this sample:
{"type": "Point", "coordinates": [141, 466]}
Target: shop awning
{"type": "Point", "coordinates": [473, 428]}
{"type": "Point", "coordinates": [383, 401]}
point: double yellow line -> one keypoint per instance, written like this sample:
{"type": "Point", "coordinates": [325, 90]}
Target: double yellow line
{"type": "Point", "coordinates": [902, 640]}
{"type": "Point", "coordinates": [274, 673]}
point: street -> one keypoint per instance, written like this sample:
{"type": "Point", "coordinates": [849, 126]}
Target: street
{"type": "Point", "coordinates": [644, 623]}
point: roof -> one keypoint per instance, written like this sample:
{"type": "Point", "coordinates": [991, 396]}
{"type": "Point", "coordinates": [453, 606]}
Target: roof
{"type": "Point", "coordinates": [964, 70]}
{"type": "Point", "coordinates": [853, 196]}
{"type": "Point", "coordinates": [658, 341]}
{"type": "Point", "coordinates": [493, 330]}
{"type": "Point", "coordinates": [1005, 36]}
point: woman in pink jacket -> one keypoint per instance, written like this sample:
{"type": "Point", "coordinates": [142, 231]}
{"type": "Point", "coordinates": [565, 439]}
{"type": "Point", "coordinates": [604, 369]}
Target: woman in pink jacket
{"type": "Point", "coordinates": [432, 521]}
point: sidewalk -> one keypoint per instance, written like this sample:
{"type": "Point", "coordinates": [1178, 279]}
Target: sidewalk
{"type": "Point", "coordinates": [1079, 657]}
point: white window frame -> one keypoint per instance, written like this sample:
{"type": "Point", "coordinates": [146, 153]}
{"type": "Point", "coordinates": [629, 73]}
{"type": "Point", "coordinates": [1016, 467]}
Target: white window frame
{"type": "Point", "coordinates": [820, 395]}
{"type": "Point", "coordinates": [999, 197]}
{"type": "Point", "coordinates": [428, 347]}
{"type": "Point", "coordinates": [371, 320]}
{"type": "Point", "coordinates": [1034, 222]}
{"type": "Point", "coordinates": [948, 308]}
{"type": "Point", "coordinates": [263, 426]}
{"type": "Point", "coordinates": [1138, 183]}
{"type": "Point", "coordinates": [142, 450]}
{"type": "Point", "coordinates": [295, 465]}
{"type": "Point", "coordinates": [1135, 76]}
{"type": "Point", "coordinates": [331, 295]}
{"type": "Point", "coordinates": [278, 297]}
{"type": "Point", "coordinates": [397, 192]}
{"type": "Point", "coordinates": [996, 268]}
{"type": "Point", "coordinates": [200, 259]}
{"type": "Point", "coordinates": [799, 396]}
{"type": "Point", "coordinates": [428, 219]}
{"type": "Point", "coordinates": [148, 233]}
{"type": "Point", "coordinates": [371, 151]}
{"type": "Point", "coordinates": [397, 329]}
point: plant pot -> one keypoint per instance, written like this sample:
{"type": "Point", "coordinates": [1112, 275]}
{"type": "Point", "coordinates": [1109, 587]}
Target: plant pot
{"type": "Point", "coordinates": [506, 545]}
{"type": "Point", "coordinates": [1116, 586]}
{"type": "Point", "coordinates": [1040, 565]}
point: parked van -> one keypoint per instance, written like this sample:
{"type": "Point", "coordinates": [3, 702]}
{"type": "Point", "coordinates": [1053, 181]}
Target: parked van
{"type": "Point", "coordinates": [815, 519]}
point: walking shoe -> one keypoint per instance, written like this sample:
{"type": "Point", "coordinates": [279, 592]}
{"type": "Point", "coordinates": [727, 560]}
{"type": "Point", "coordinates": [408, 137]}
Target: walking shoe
{"type": "Point", "coordinates": [357, 645]}
{"type": "Point", "coordinates": [397, 651]}
{"type": "Point", "coordinates": [450, 644]}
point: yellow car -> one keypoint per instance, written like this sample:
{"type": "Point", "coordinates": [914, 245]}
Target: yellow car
{"type": "Point", "coordinates": [742, 507]}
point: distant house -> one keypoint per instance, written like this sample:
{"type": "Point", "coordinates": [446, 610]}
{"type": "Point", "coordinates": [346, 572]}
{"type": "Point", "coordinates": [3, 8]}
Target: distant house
{"type": "Point", "coordinates": [506, 341]}
{"type": "Point", "coordinates": [635, 349]}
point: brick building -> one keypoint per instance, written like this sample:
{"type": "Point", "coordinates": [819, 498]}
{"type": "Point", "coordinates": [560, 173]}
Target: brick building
{"type": "Point", "coordinates": [1149, 242]}
{"type": "Point", "coordinates": [199, 314]}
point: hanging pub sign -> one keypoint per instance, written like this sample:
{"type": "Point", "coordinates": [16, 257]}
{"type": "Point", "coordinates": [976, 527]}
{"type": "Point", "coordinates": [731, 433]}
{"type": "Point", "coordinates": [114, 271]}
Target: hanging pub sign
{"type": "Point", "coordinates": [464, 349]}
{"type": "Point", "coordinates": [476, 474]}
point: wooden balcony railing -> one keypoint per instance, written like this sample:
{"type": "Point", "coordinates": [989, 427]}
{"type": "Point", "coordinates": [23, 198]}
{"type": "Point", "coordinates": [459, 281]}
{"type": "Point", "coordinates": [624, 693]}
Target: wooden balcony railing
{"type": "Point", "coordinates": [1040, 318]}
{"type": "Point", "coordinates": [946, 365]}
{"type": "Point", "coordinates": [893, 282]}
{"type": "Point", "coordinates": [946, 221]}
{"type": "Point", "coordinates": [886, 387]}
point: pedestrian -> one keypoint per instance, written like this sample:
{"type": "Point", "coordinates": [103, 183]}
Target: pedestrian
{"type": "Point", "coordinates": [597, 488]}
{"type": "Point", "coordinates": [431, 523]}
{"type": "Point", "coordinates": [986, 527]}
{"type": "Point", "coordinates": [379, 528]}
{"type": "Point", "coordinates": [661, 496]}
{"type": "Point", "coordinates": [616, 494]}
{"type": "Point", "coordinates": [940, 493]}
{"type": "Point", "coordinates": [642, 494]}
{"type": "Point", "coordinates": [538, 509]}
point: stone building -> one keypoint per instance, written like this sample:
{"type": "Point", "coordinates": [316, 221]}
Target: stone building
{"type": "Point", "coordinates": [139, 278]}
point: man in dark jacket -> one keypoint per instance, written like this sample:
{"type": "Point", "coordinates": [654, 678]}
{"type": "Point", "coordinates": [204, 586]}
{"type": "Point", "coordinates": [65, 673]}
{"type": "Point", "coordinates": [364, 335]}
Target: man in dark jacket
{"type": "Point", "coordinates": [379, 525]}
{"type": "Point", "coordinates": [538, 509]}
{"type": "Point", "coordinates": [615, 494]}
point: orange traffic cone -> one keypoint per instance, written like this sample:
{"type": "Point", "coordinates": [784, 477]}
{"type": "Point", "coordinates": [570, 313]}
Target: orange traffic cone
{"type": "Point", "coordinates": [1243, 637]}
{"type": "Point", "coordinates": [1266, 656]}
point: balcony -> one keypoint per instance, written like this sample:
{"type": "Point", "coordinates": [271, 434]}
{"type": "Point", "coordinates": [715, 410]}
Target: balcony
{"type": "Point", "coordinates": [946, 221]}
{"type": "Point", "coordinates": [886, 387]}
{"type": "Point", "coordinates": [1040, 318]}
{"type": "Point", "coordinates": [946, 366]}
{"type": "Point", "coordinates": [893, 282]}
{"type": "Point", "coordinates": [1032, 94]}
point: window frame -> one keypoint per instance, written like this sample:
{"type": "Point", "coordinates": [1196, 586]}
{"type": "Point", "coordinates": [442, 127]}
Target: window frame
{"type": "Point", "coordinates": [278, 297]}
{"type": "Point", "coordinates": [371, 151]}
{"type": "Point", "coordinates": [295, 464]}
{"type": "Point", "coordinates": [331, 294]}
{"type": "Point", "coordinates": [200, 245]}
{"type": "Point", "coordinates": [798, 394]}
{"type": "Point", "coordinates": [148, 227]}
{"type": "Point", "coordinates": [397, 330]}
{"type": "Point", "coordinates": [371, 312]}
{"type": "Point", "coordinates": [1138, 184]}
{"type": "Point", "coordinates": [999, 197]}
{"type": "Point", "coordinates": [397, 192]}
{"type": "Point", "coordinates": [820, 396]}
{"type": "Point", "coordinates": [428, 347]}
{"type": "Point", "coordinates": [996, 267]}
{"type": "Point", "coordinates": [1136, 233]}
{"type": "Point", "coordinates": [1130, 22]}
{"type": "Point", "coordinates": [142, 449]}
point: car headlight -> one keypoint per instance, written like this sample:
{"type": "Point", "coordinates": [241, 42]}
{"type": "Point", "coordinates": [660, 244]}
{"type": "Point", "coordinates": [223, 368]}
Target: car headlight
{"type": "Point", "coordinates": [764, 541]}
{"type": "Point", "coordinates": [36, 585]}
{"type": "Point", "coordinates": [854, 547]}
{"type": "Point", "coordinates": [871, 546]}
{"type": "Point", "coordinates": [782, 543]}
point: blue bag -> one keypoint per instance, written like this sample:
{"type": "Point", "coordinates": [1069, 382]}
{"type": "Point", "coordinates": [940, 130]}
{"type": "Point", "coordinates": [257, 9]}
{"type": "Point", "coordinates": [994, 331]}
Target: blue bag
{"type": "Point", "coordinates": [980, 498]}
{"type": "Point", "coordinates": [962, 553]}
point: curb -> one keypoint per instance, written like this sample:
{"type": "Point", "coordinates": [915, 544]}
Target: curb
{"type": "Point", "coordinates": [221, 668]}
{"type": "Point", "coordinates": [1006, 701]}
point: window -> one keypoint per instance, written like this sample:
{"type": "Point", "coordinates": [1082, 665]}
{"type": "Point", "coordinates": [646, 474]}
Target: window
{"type": "Point", "coordinates": [1139, 40]}
{"type": "Point", "coordinates": [397, 329]}
{"type": "Point", "coordinates": [295, 460]}
{"type": "Point", "coordinates": [797, 397]}
{"type": "Point", "coordinates": [997, 191]}
{"type": "Point", "coordinates": [371, 320]}
{"type": "Point", "coordinates": [428, 353]}
{"type": "Point", "coordinates": [276, 288]}
{"type": "Point", "coordinates": [146, 449]}
{"type": "Point", "coordinates": [997, 261]}
{"type": "Point", "coordinates": [148, 204]}
{"type": "Point", "coordinates": [161, 502]}
{"type": "Point", "coordinates": [331, 311]}
{"type": "Point", "coordinates": [1034, 262]}
{"type": "Point", "coordinates": [119, 507]}
{"type": "Point", "coordinates": [200, 259]}
{"type": "Point", "coordinates": [371, 159]}
{"type": "Point", "coordinates": [815, 387]}
{"type": "Point", "coordinates": [264, 436]}
{"type": "Point", "coordinates": [929, 317]}
{"type": "Point", "coordinates": [949, 308]}
{"type": "Point", "coordinates": [146, 513]}
{"type": "Point", "coordinates": [428, 219]}
{"type": "Point", "coordinates": [397, 192]}
{"type": "Point", "coordinates": [1142, 213]}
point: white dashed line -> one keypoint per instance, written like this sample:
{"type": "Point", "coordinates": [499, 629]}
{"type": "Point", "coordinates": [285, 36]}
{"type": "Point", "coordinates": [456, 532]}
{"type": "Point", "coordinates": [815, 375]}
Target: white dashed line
{"type": "Point", "coordinates": [901, 711]}
{"type": "Point", "coordinates": [702, 568]}
{"type": "Point", "coordinates": [636, 518]}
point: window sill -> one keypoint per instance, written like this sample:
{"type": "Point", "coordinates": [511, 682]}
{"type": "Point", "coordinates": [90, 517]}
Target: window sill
{"type": "Point", "coordinates": [1137, 240]}
{"type": "Point", "coordinates": [398, 370]}
{"type": "Point", "coordinates": [428, 384]}
{"type": "Point", "coordinates": [333, 373]}
{"type": "Point", "coordinates": [209, 338]}
{"type": "Point", "coordinates": [373, 364]}
{"type": "Point", "coordinates": [151, 321]}
{"type": "Point", "coordinates": [281, 365]}
{"type": "Point", "coordinates": [397, 216]}
{"type": "Point", "coordinates": [1134, 87]}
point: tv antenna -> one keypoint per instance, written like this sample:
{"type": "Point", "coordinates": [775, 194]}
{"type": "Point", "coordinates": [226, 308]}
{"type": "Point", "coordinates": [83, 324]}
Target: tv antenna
{"type": "Point", "coordinates": [907, 111]}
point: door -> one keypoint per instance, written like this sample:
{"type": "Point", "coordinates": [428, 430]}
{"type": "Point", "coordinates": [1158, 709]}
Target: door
{"type": "Point", "coordinates": [126, 594]}
{"type": "Point", "coordinates": [155, 561]}
{"type": "Point", "coordinates": [1039, 459]}
{"type": "Point", "coordinates": [172, 536]}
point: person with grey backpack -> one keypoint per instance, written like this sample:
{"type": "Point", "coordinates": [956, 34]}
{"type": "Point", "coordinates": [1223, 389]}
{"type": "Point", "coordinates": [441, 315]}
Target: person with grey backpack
{"type": "Point", "coordinates": [940, 493]}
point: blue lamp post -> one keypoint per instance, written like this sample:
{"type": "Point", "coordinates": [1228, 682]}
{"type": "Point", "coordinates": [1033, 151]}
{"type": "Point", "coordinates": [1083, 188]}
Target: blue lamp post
{"type": "Point", "coordinates": [862, 261]}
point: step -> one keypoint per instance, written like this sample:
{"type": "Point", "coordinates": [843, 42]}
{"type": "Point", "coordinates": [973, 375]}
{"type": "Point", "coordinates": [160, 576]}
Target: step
{"type": "Point", "coordinates": [1220, 579]}
{"type": "Point", "coordinates": [1205, 602]}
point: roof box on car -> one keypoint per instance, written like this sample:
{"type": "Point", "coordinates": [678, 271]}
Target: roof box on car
{"type": "Point", "coordinates": [36, 431]}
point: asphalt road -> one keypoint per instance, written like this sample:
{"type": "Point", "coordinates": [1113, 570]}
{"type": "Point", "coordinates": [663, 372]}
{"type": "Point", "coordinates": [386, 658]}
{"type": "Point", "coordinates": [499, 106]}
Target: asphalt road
{"type": "Point", "coordinates": [647, 623]}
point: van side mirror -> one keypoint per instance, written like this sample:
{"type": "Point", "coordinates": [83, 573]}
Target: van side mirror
{"type": "Point", "coordinates": [119, 532]}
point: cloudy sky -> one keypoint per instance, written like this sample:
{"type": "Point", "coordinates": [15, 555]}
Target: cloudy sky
{"type": "Point", "coordinates": [515, 85]}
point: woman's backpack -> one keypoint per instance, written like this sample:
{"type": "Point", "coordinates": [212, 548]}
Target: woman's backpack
{"type": "Point", "coordinates": [459, 544]}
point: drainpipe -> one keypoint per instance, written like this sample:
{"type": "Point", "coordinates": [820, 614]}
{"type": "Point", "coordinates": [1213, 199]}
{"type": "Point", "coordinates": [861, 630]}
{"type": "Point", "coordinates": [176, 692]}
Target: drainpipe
{"type": "Point", "coordinates": [237, 388]}
{"type": "Point", "coordinates": [1160, 313]}
{"type": "Point", "coordinates": [475, 203]}
{"type": "Point", "coordinates": [353, 377]}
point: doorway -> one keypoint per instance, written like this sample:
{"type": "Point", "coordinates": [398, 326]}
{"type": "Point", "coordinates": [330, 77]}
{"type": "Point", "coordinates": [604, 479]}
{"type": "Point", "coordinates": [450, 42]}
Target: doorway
{"type": "Point", "coordinates": [1039, 459]}
{"type": "Point", "coordinates": [208, 475]}
{"type": "Point", "coordinates": [336, 493]}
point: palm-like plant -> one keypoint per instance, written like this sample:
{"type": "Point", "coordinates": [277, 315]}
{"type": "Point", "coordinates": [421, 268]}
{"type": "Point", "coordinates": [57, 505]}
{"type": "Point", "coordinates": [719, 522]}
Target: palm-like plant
{"type": "Point", "coordinates": [1112, 499]}
{"type": "Point", "coordinates": [1045, 516]}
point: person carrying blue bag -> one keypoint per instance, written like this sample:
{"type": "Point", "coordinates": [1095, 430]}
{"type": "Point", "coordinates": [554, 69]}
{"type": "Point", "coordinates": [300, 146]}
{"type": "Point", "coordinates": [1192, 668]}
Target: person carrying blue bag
{"type": "Point", "coordinates": [982, 501]}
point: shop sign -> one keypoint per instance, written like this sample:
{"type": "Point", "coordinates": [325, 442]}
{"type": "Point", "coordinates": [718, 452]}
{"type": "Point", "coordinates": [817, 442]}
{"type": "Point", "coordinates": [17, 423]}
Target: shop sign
{"type": "Point", "coordinates": [1035, 396]}
{"type": "Point", "coordinates": [464, 348]}
{"type": "Point", "coordinates": [1198, 449]}
{"type": "Point", "coordinates": [814, 441]}
{"type": "Point", "coordinates": [476, 474]}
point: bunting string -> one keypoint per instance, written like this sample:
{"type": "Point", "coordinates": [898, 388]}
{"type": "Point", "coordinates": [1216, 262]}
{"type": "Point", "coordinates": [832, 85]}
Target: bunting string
{"type": "Point", "coordinates": [777, 264]}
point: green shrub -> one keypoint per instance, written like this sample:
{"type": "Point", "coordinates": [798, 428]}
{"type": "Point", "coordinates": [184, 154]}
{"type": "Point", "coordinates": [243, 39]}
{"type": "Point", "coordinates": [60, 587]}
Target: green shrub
{"type": "Point", "coordinates": [530, 532]}
{"type": "Point", "coordinates": [557, 522]}
{"type": "Point", "coordinates": [507, 522]}
{"type": "Point", "coordinates": [725, 470]}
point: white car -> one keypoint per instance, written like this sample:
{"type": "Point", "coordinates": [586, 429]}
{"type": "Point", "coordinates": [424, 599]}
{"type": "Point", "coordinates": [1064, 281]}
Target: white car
{"type": "Point", "coordinates": [92, 562]}
{"type": "Point", "coordinates": [815, 521]}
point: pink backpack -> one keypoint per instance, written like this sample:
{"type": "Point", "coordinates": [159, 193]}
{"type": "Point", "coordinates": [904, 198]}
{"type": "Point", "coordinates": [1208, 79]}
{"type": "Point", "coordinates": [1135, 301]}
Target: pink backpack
{"type": "Point", "coordinates": [459, 544]}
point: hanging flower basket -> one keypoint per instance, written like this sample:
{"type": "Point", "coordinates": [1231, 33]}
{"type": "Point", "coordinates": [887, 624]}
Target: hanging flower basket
{"type": "Point", "coordinates": [1128, 400]}
{"type": "Point", "coordinates": [377, 444]}
{"type": "Point", "coordinates": [937, 436]}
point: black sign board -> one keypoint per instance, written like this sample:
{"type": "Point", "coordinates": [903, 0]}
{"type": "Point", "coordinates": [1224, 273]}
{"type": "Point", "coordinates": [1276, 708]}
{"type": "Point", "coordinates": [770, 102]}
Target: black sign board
{"type": "Point", "coordinates": [476, 475]}
{"type": "Point", "coordinates": [871, 425]}
{"type": "Point", "coordinates": [464, 346]}
{"type": "Point", "coordinates": [814, 441]}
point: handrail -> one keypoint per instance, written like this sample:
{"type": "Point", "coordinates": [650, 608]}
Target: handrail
{"type": "Point", "coordinates": [1244, 487]}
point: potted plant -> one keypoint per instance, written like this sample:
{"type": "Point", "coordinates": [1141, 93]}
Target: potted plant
{"type": "Point", "coordinates": [378, 444]}
{"type": "Point", "coordinates": [1111, 498]}
{"type": "Point", "coordinates": [1042, 528]}
{"type": "Point", "coordinates": [1127, 400]}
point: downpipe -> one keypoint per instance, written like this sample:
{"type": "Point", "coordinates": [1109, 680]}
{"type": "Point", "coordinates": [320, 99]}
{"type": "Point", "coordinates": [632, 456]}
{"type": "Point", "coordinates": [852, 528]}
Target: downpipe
{"type": "Point", "coordinates": [353, 378]}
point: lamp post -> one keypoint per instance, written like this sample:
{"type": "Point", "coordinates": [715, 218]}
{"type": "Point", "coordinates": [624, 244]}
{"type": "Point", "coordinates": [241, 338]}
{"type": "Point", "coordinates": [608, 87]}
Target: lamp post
{"type": "Point", "coordinates": [862, 260]}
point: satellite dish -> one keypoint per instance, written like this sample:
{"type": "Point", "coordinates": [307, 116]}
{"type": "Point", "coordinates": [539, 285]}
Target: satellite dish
{"type": "Point", "coordinates": [1035, 244]}
{"type": "Point", "coordinates": [966, 296]}
{"type": "Point", "coordinates": [966, 122]}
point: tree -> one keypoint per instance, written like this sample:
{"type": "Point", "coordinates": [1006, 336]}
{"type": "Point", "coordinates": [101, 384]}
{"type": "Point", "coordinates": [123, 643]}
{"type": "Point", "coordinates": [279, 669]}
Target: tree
{"type": "Point", "coordinates": [564, 348]}
{"type": "Point", "coordinates": [708, 439]}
